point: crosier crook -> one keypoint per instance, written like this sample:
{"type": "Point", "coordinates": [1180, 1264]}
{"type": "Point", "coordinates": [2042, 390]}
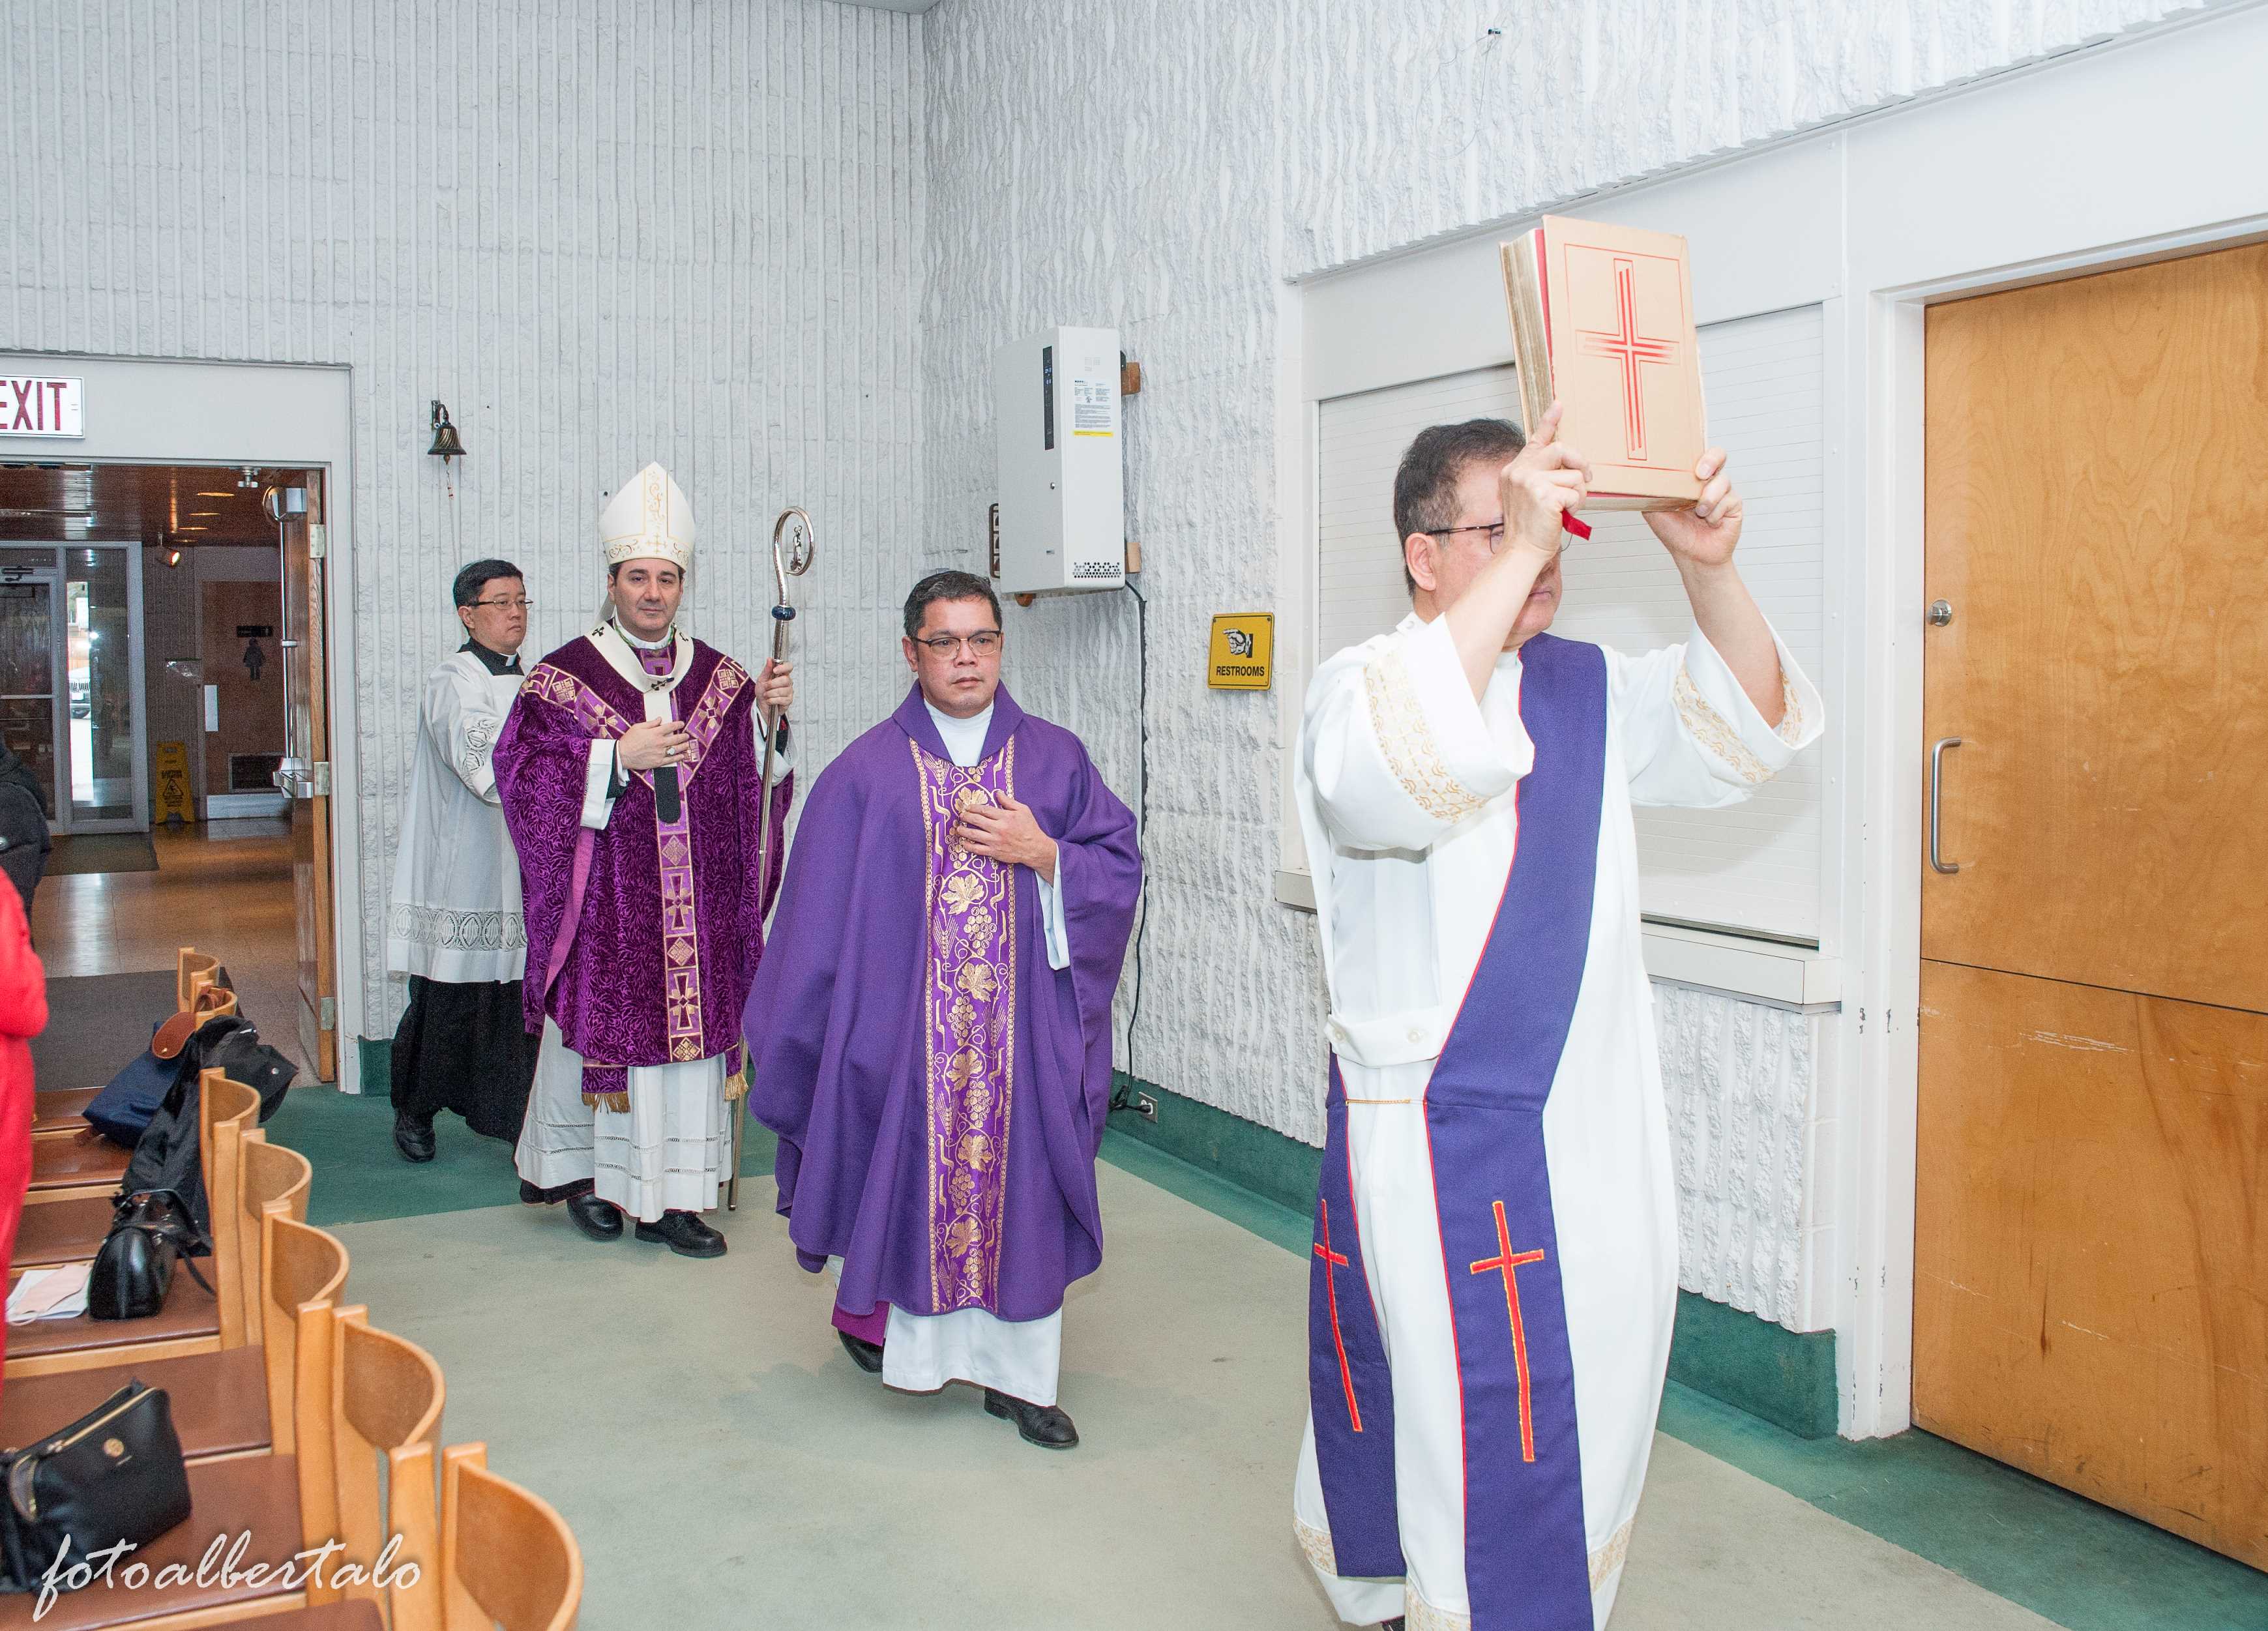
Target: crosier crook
{"type": "Point", "coordinates": [794, 527]}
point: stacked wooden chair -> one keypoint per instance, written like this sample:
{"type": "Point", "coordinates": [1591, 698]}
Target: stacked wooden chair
{"type": "Point", "coordinates": [71, 1162]}
{"type": "Point", "coordinates": [304, 1427]}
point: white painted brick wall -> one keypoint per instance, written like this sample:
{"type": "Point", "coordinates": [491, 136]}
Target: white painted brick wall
{"type": "Point", "coordinates": [603, 231]}
{"type": "Point", "coordinates": [1164, 166]}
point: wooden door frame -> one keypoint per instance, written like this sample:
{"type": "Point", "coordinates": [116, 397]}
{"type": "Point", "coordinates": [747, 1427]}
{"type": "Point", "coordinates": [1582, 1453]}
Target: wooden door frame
{"type": "Point", "coordinates": [1887, 723]}
{"type": "Point", "coordinates": [160, 410]}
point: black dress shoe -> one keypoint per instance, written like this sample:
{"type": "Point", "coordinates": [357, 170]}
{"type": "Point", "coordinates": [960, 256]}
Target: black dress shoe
{"type": "Point", "coordinates": [864, 1355]}
{"type": "Point", "coordinates": [685, 1234]}
{"type": "Point", "coordinates": [1043, 1425]}
{"type": "Point", "coordinates": [601, 1220]}
{"type": "Point", "coordinates": [412, 1137]}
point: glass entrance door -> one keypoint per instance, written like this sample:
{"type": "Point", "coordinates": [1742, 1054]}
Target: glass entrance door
{"type": "Point", "coordinates": [70, 696]}
{"type": "Point", "coordinates": [99, 672]}
{"type": "Point", "coordinates": [28, 675]}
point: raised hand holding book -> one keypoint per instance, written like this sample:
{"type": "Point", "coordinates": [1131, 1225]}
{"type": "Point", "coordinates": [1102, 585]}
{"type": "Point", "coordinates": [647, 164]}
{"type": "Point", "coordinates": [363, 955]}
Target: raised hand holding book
{"type": "Point", "coordinates": [1602, 321]}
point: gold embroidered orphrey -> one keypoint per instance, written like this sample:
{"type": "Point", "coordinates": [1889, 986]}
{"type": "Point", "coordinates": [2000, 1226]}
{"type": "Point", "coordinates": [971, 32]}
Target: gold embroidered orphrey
{"type": "Point", "coordinates": [968, 992]}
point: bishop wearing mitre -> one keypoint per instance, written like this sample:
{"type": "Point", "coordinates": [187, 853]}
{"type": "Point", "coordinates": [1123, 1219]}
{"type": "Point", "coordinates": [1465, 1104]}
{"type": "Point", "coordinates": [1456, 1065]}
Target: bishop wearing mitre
{"type": "Point", "coordinates": [631, 780]}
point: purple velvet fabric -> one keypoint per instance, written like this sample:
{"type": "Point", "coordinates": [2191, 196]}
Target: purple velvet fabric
{"type": "Point", "coordinates": [642, 940]}
{"type": "Point", "coordinates": [838, 1024]}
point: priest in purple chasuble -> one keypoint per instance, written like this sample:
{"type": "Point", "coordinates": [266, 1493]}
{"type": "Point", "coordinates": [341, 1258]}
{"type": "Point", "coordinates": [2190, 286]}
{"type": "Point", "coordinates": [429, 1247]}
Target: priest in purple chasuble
{"type": "Point", "coordinates": [1494, 1262]}
{"type": "Point", "coordinates": [931, 1040]}
{"type": "Point", "coordinates": [629, 774]}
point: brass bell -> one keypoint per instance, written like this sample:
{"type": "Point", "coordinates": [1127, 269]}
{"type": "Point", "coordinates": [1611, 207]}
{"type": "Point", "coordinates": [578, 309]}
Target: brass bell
{"type": "Point", "coordinates": [445, 444]}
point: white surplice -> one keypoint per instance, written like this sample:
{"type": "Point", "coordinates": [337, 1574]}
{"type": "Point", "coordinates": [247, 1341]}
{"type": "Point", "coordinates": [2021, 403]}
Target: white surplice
{"type": "Point", "coordinates": [1022, 1358]}
{"type": "Point", "coordinates": [455, 913]}
{"type": "Point", "coordinates": [1405, 787]}
{"type": "Point", "coordinates": [671, 1150]}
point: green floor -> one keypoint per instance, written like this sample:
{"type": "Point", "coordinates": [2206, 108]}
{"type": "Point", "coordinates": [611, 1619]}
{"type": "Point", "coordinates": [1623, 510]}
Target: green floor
{"type": "Point", "coordinates": [2080, 1565]}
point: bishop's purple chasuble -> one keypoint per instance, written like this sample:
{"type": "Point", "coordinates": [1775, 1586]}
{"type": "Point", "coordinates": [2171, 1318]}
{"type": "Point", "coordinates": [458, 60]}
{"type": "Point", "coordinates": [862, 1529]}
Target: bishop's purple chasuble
{"type": "Point", "coordinates": [644, 935]}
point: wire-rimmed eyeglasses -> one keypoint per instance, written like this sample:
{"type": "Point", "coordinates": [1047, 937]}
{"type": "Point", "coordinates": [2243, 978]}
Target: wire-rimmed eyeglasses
{"type": "Point", "coordinates": [983, 643]}
{"type": "Point", "coordinates": [1492, 534]}
{"type": "Point", "coordinates": [518, 602]}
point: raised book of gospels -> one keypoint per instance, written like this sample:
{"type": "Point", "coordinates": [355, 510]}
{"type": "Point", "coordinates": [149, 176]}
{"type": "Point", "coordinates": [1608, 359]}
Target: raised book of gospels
{"type": "Point", "coordinates": [1602, 322]}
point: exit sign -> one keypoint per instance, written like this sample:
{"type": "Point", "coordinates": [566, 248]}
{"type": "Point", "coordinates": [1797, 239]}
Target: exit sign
{"type": "Point", "coordinates": [42, 405]}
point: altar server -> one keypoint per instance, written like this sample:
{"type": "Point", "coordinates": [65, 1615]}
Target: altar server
{"type": "Point", "coordinates": [455, 926]}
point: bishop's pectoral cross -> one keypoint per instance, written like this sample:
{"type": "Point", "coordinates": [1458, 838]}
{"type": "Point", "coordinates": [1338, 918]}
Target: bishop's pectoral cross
{"type": "Point", "coordinates": [1508, 1263]}
{"type": "Point", "coordinates": [1336, 1260]}
{"type": "Point", "coordinates": [1633, 350]}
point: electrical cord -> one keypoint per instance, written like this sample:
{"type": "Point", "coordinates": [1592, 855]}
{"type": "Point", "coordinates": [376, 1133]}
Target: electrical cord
{"type": "Point", "coordinates": [1122, 1098]}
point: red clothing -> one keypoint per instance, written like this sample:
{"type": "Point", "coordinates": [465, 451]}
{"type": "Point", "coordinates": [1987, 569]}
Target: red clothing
{"type": "Point", "coordinates": [23, 1016]}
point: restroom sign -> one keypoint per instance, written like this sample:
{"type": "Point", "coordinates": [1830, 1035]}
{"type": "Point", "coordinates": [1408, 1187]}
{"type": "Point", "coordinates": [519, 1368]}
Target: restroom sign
{"type": "Point", "coordinates": [1242, 652]}
{"type": "Point", "coordinates": [42, 405]}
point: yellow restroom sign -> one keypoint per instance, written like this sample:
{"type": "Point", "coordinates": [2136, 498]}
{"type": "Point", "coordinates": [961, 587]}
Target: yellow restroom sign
{"type": "Point", "coordinates": [1243, 652]}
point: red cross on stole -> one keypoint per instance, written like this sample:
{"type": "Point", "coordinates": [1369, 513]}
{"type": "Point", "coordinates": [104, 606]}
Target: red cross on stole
{"type": "Point", "coordinates": [1507, 1262]}
{"type": "Point", "coordinates": [1632, 350]}
{"type": "Point", "coordinates": [1337, 1260]}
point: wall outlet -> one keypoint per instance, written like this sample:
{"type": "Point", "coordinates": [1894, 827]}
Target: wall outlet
{"type": "Point", "coordinates": [1145, 1106]}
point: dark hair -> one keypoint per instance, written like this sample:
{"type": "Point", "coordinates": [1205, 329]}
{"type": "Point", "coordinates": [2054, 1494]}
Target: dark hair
{"type": "Point", "coordinates": [948, 586]}
{"type": "Point", "coordinates": [1425, 485]}
{"type": "Point", "coordinates": [480, 574]}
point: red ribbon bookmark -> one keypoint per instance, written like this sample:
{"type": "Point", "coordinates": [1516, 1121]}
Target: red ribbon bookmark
{"type": "Point", "coordinates": [1572, 523]}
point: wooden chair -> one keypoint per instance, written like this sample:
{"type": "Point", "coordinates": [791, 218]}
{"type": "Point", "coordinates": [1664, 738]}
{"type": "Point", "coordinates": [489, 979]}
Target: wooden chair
{"type": "Point", "coordinates": [71, 1230]}
{"type": "Point", "coordinates": [81, 1165]}
{"type": "Point", "coordinates": [61, 1112]}
{"type": "Point", "coordinates": [235, 1401]}
{"type": "Point", "coordinates": [386, 1410]}
{"type": "Point", "coordinates": [506, 1557]}
{"type": "Point", "coordinates": [193, 971]}
{"type": "Point", "coordinates": [194, 1320]}
{"type": "Point", "coordinates": [287, 1500]}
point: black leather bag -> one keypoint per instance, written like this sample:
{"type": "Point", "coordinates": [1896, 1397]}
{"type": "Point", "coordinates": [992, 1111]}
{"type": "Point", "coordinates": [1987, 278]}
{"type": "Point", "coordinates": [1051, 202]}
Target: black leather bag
{"type": "Point", "coordinates": [151, 1232]}
{"type": "Point", "coordinates": [115, 1474]}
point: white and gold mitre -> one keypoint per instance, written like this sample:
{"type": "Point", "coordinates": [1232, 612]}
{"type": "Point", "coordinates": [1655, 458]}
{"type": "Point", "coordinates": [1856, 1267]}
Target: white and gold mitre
{"type": "Point", "coordinates": [648, 519]}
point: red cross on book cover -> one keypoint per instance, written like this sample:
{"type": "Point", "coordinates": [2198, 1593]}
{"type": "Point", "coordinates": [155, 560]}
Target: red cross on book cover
{"type": "Point", "coordinates": [1602, 320]}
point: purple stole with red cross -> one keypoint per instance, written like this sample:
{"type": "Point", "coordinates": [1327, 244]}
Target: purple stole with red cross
{"type": "Point", "coordinates": [1527, 1558]}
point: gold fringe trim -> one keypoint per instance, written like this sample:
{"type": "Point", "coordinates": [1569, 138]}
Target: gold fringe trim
{"type": "Point", "coordinates": [1716, 733]}
{"type": "Point", "coordinates": [1607, 1561]}
{"type": "Point", "coordinates": [619, 1103]}
{"type": "Point", "coordinates": [1418, 1615]}
{"type": "Point", "coordinates": [1407, 741]}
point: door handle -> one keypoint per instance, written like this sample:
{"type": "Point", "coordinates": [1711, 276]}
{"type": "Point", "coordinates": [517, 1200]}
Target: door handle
{"type": "Point", "coordinates": [1936, 803]}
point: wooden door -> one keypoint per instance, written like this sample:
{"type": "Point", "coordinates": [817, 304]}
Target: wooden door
{"type": "Point", "coordinates": [306, 774]}
{"type": "Point", "coordinates": [2091, 1249]}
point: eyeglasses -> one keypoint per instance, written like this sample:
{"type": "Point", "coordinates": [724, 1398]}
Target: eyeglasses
{"type": "Point", "coordinates": [983, 643]}
{"type": "Point", "coordinates": [1493, 529]}
{"type": "Point", "coordinates": [522, 603]}
{"type": "Point", "coordinates": [1494, 532]}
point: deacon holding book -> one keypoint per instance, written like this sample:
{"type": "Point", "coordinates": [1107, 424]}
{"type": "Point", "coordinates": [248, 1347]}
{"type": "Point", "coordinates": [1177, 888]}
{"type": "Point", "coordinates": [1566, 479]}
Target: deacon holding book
{"type": "Point", "coordinates": [932, 1039]}
{"type": "Point", "coordinates": [1494, 1265]}
{"type": "Point", "coordinates": [631, 780]}
{"type": "Point", "coordinates": [455, 927]}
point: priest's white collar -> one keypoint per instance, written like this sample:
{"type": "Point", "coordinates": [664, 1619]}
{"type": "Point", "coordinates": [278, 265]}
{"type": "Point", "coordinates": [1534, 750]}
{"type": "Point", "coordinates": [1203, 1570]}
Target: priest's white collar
{"type": "Point", "coordinates": [620, 649]}
{"type": "Point", "coordinates": [963, 739]}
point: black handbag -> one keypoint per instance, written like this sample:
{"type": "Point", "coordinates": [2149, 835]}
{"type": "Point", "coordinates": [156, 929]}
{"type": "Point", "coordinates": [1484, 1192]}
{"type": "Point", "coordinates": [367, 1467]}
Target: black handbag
{"type": "Point", "coordinates": [149, 1233]}
{"type": "Point", "coordinates": [115, 1474]}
